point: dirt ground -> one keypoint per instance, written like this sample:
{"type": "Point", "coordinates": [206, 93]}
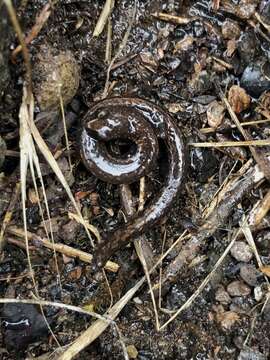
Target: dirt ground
{"type": "Point", "coordinates": [189, 63]}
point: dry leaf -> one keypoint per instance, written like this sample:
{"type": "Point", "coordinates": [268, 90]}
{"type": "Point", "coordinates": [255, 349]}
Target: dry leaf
{"type": "Point", "coordinates": [227, 319]}
{"type": "Point", "coordinates": [238, 99]}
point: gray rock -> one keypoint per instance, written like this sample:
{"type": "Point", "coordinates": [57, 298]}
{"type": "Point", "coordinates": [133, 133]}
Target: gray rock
{"type": "Point", "coordinates": [238, 288]}
{"type": "Point", "coordinates": [251, 354]}
{"type": "Point", "coordinates": [241, 251]}
{"type": "Point", "coordinates": [255, 78]}
{"type": "Point", "coordinates": [222, 296]}
{"type": "Point", "coordinates": [249, 274]}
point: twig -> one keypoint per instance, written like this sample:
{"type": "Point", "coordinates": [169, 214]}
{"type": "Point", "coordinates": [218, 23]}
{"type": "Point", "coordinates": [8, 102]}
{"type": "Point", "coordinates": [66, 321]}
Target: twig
{"type": "Point", "coordinates": [105, 13]}
{"type": "Point", "coordinates": [180, 20]}
{"type": "Point", "coordinates": [108, 52]}
{"type": "Point", "coordinates": [256, 28]}
{"type": "Point", "coordinates": [142, 194]}
{"type": "Point", "coordinates": [65, 128]}
{"type": "Point", "coordinates": [222, 62]}
{"type": "Point", "coordinates": [63, 249]}
{"type": "Point", "coordinates": [56, 304]}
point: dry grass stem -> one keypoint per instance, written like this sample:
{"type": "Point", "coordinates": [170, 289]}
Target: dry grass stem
{"type": "Point", "coordinates": [221, 190]}
{"type": "Point", "coordinates": [140, 254]}
{"type": "Point", "coordinates": [29, 158]}
{"type": "Point", "coordinates": [247, 123]}
{"type": "Point", "coordinates": [258, 17]}
{"type": "Point", "coordinates": [222, 62]}
{"type": "Point", "coordinates": [142, 194]}
{"type": "Point", "coordinates": [65, 129]}
{"type": "Point", "coordinates": [55, 167]}
{"type": "Point", "coordinates": [108, 52]}
{"type": "Point", "coordinates": [180, 20]}
{"type": "Point", "coordinates": [105, 13]}
{"type": "Point", "coordinates": [259, 157]}
{"type": "Point", "coordinates": [56, 304]}
{"type": "Point", "coordinates": [61, 248]}
{"type": "Point", "coordinates": [232, 143]}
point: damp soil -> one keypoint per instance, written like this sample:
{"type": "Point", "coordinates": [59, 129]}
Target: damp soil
{"type": "Point", "coordinates": [175, 66]}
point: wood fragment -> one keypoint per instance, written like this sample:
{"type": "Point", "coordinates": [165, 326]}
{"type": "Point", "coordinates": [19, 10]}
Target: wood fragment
{"type": "Point", "coordinates": [222, 62]}
{"type": "Point", "coordinates": [63, 249]}
{"type": "Point", "coordinates": [180, 20]}
{"type": "Point", "coordinates": [105, 13]}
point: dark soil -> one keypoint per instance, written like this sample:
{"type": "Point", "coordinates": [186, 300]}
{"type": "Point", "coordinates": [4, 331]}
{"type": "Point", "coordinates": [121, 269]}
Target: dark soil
{"type": "Point", "coordinates": [175, 67]}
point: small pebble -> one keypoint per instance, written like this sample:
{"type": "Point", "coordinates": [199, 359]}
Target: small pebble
{"type": "Point", "coordinates": [238, 99]}
{"type": "Point", "coordinates": [238, 288]}
{"type": "Point", "coordinates": [138, 301]}
{"type": "Point", "coordinates": [240, 305]}
{"type": "Point", "coordinates": [249, 274]}
{"type": "Point", "coordinates": [230, 29]}
{"type": "Point", "coordinates": [258, 293]}
{"type": "Point", "coordinates": [246, 9]}
{"type": "Point", "coordinates": [241, 251]}
{"type": "Point", "coordinates": [69, 231]}
{"type": "Point", "coordinates": [132, 352]}
{"type": "Point", "coordinates": [256, 79]}
{"type": "Point", "coordinates": [175, 108]}
{"type": "Point", "coordinates": [251, 354]}
{"type": "Point", "coordinates": [247, 46]}
{"type": "Point", "coordinates": [222, 296]}
{"type": "Point", "coordinates": [215, 114]}
{"type": "Point", "coordinates": [22, 324]}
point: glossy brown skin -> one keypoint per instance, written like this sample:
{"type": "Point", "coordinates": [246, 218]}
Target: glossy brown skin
{"type": "Point", "coordinates": [144, 124]}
